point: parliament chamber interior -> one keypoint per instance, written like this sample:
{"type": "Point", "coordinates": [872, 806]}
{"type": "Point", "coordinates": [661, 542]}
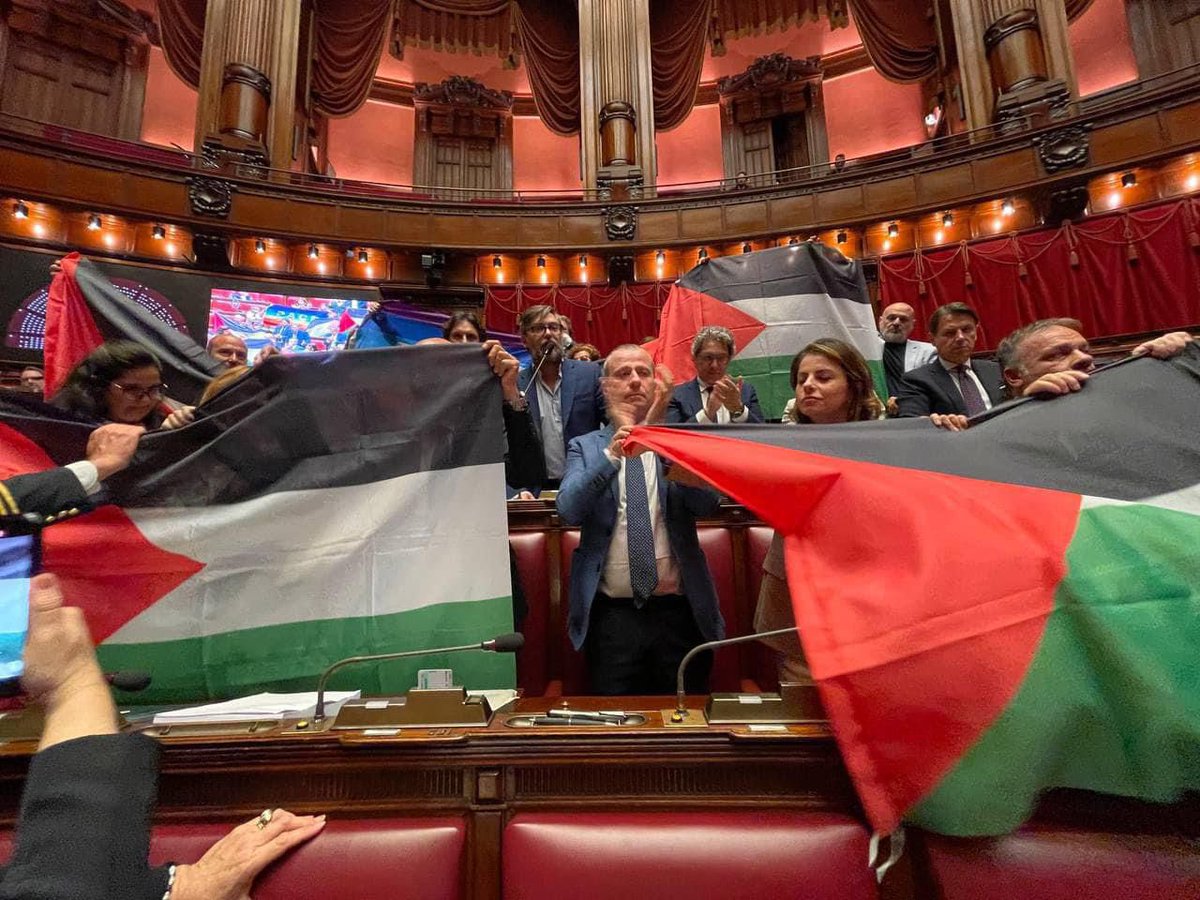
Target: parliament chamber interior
{"type": "Point", "coordinates": [328, 185]}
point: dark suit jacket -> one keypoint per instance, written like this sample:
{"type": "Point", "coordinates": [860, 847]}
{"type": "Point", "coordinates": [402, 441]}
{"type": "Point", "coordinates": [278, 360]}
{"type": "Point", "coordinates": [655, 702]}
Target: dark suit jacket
{"type": "Point", "coordinates": [931, 389]}
{"type": "Point", "coordinates": [524, 465]}
{"type": "Point", "coordinates": [582, 399]}
{"type": "Point", "coordinates": [84, 828]}
{"type": "Point", "coordinates": [588, 497]}
{"type": "Point", "coordinates": [686, 402]}
{"type": "Point", "coordinates": [54, 493]}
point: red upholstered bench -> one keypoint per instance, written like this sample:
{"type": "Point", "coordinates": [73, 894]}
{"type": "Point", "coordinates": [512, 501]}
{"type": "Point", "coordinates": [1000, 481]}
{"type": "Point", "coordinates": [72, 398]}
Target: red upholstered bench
{"type": "Point", "coordinates": [1042, 863]}
{"type": "Point", "coordinates": [368, 859]}
{"type": "Point", "coordinates": [735, 855]}
{"type": "Point", "coordinates": [531, 550]}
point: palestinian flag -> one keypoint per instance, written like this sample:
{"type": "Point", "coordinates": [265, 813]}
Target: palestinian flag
{"type": "Point", "coordinates": [327, 505]}
{"type": "Point", "coordinates": [84, 309]}
{"type": "Point", "coordinates": [993, 613]}
{"type": "Point", "coordinates": [774, 302]}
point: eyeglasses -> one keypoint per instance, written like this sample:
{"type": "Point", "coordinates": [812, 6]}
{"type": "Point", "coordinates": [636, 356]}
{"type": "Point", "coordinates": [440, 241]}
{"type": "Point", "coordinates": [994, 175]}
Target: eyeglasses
{"type": "Point", "coordinates": [712, 359]}
{"type": "Point", "coordinates": [553, 328]}
{"type": "Point", "coordinates": [137, 392]}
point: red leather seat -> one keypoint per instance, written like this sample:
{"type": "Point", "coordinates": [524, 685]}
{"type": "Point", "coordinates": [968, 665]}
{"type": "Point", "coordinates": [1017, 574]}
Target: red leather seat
{"type": "Point", "coordinates": [368, 859]}
{"type": "Point", "coordinates": [575, 680]}
{"type": "Point", "coordinates": [718, 550]}
{"type": "Point", "coordinates": [736, 855]}
{"type": "Point", "coordinates": [1038, 863]}
{"type": "Point", "coordinates": [761, 658]}
{"type": "Point", "coordinates": [531, 549]}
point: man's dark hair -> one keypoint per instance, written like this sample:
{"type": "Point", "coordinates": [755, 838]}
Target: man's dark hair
{"type": "Point", "coordinates": [464, 316]}
{"type": "Point", "coordinates": [85, 387]}
{"type": "Point", "coordinates": [534, 314]}
{"type": "Point", "coordinates": [950, 309]}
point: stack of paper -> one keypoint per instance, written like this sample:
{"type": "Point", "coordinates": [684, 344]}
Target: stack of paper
{"type": "Point", "coordinates": [258, 706]}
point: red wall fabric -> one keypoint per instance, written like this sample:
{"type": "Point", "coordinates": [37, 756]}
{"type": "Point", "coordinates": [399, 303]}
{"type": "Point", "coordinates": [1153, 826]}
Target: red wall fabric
{"type": "Point", "coordinates": [1083, 270]}
{"type": "Point", "coordinates": [600, 315]}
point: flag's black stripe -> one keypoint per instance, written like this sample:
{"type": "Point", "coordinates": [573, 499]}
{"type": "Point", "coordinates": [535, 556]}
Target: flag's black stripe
{"type": "Point", "coordinates": [186, 367]}
{"type": "Point", "coordinates": [1133, 432]}
{"type": "Point", "coordinates": [314, 421]}
{"type": "Point", "coordinates": [806, 268]}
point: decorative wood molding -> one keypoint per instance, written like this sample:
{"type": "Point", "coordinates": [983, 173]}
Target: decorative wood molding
{"type": "Point", "coordinates": [1063, 148]}
{"type": "Point", "coordinates": [460, 90]}
{"type": "Point", "coordinates": [620, 222]}
{"type": "Point", "coordinates": [210, 196]}
{"type": "Point", "coordinates": [771, 71]}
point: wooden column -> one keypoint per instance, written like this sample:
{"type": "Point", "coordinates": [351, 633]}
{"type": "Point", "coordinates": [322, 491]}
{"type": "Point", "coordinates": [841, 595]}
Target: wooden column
{"type": "Point", "coordinates": [1014, 59]}
{"type": "Point", "coordinates": [617, 97]}
{"type": "Point", "coordinates": [248, 80]}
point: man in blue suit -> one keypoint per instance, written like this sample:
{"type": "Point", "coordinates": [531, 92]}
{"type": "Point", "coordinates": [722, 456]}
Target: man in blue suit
{"type": "Point", "coordinates": [566, 400]}
{"type": "Point", "coordinates": [641, 592]}
{"type": "Point", "coordinates": [713, 397]}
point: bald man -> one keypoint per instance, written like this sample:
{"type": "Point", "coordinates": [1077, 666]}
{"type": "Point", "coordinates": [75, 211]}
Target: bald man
{"type": "Point", "coordinates": [901, 355]}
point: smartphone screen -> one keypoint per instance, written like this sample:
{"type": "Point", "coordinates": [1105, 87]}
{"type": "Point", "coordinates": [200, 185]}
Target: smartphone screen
{"type": "Point", "coordinates": [20, 549]}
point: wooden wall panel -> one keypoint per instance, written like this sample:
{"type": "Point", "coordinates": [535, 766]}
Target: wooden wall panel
{"type": "Point", "coordinates": [839, 205]}
{"type": "Point", "coordinates": [1123, 139]}
{"type": "Point", "coordinates": [895, 193]}
{"type": "Point", "coordinates": [539, 230]}
{"type": "Point", "coordinates": [658, 225]}
{"type": "Point", "coordinates": [1003, 172]}
{"type": "Point", "coordinates": [948, 184]}
{"type": "Point", "coordinates": [702, 222]}
{"type": "Point", "coordinates": [746, 218]}
{"type": "Point", "coordinates": [1181, 125]}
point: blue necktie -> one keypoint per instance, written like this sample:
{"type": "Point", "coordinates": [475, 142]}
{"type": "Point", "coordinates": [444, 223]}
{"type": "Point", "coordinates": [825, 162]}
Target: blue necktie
{"type": "Point", "coordinates": [643, 569]}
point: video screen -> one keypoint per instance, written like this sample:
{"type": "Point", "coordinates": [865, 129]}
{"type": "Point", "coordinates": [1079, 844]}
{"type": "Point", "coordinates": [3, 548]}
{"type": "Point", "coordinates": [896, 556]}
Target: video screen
{"type": "Point", "coordinates": [293, 324]}
{"type": "Point", "coordinates": [16, 570]}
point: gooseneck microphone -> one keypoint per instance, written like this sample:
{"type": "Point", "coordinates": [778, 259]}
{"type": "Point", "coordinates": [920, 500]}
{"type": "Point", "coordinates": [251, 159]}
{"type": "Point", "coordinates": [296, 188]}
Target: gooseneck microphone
{"type": "Point", "coordinates": [131, 681]}
{"type": "Point", "coordinates": [504, 643]}
{"type": "Point", "coordinates": [681, 694]}
{"type": "Point", "coordinates": [536, 369]}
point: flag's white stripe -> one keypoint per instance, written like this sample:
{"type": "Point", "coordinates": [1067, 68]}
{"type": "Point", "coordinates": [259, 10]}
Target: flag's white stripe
{"type": "Point", "coordinates": [796, 319]}
{"type": "Point", "coordinates": [1185, 500]}
{"type": "Point", "coordinates": [374, 549]}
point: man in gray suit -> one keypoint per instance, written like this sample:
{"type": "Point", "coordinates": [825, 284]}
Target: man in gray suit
{"type": "Point", "coordinates": [641, 592]}
{"type": "Point", "coordinates": [900, 354]}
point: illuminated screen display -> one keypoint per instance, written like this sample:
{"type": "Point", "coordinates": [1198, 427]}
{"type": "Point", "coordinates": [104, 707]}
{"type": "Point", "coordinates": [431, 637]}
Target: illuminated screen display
{"type": "Point", "coordinates": [294, 324]}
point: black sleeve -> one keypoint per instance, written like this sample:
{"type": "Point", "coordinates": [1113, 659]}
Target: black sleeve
{"type": "Point", "coordinates": [524, 463]}
{"type": "Point", "coordinates": [46, 493]}
{"type": "Point", "coordinates": [84, 827]}
{"type": "Point", "coordinates": [913, 400]}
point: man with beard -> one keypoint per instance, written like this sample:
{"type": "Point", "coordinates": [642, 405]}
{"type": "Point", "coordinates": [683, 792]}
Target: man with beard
{"type": "Point", "coordinates": [641, 594]}
{"type": "Point", "coordinates": [900, 355]}
{"type": "Point", "coordinates": [565, 399]}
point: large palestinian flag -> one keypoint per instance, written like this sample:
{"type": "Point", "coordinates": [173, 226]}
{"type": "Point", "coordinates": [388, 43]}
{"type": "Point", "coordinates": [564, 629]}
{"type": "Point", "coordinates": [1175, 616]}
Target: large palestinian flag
{"type": "Point", "coordinates": [997, 612]}
{"type": "Point", "coordinates": [325, 506]}
{"type": "Point", "coordinates": [774, 302]}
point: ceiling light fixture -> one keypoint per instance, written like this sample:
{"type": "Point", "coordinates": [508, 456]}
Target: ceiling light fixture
{"type": "Point", "coordinates": [362, 254]}
{"type": "Point", "coordinates": [1129, 179]}
{"type": "Point", "coordinates": [541, 261]}
{"type": "Point", "coordinates": [496, 261]}
{"type": "Point", "coordinates": [947, 219]}
{"type": "Point", "coordinates": [93, 222]}
{"type": "Point", "coordinates": [1008, 207]}
{"type": "Point", "coordinates": [583, 260]}
{"type": "Point", "coordinates": [313, 251]}
{"type": "Point", "coordinates": [893, 229]}
{"type": "Point", "coordinates": [260, 246]}
{"type": "Point", "coordinates": [158, 232]}
{"type": "Point", "coordinates": [20, 210]}
{"type": "Point", "coordinates": [746, 247]}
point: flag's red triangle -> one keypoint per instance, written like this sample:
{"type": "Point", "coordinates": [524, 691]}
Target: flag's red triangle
{"type": "Point", "coordinates": [686, 312]}
{"type": "Point", "coordinates": [107, 567]}
{"type": "Point", "coordinates": [346, 322]}
{"type": "Point", "coordinates": [70, 331]}
{"type": "Point", "coordinates": [921, 596]}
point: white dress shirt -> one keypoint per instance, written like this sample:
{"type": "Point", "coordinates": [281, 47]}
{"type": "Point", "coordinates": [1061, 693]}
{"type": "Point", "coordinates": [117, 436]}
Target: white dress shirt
{"type": "Point", "coordinates": [554, 450]}
{"type": "Point", "coordinates": [614, 579]}
{"type": "Point", "coordinates": [723, 414]}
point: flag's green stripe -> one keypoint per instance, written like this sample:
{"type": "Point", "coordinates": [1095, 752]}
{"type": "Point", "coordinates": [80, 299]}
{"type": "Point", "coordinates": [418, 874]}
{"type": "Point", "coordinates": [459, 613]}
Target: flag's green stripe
{"type": "Point", "coordinates": [1111, 702]}
{"type": "Point", "coordinates": [290, 657]}
{"type": "Point", "coordinates": [772, 379]}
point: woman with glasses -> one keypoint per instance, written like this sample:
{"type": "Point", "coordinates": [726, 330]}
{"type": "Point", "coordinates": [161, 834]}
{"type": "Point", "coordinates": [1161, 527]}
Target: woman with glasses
{"type": "Point", "coordinates": [119, 381]}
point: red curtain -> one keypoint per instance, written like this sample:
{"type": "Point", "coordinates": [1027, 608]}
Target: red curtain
{"type": "Point", "coordinates": [899, 37]}
{"type": "Point", "coordinates": [548, 31]}
{"type": "Point", "coordinates": [1117, 274]}
{"type": "Point", "coordinates": [181, 28]}
{"type": "Point", "coordinates": [456, 26]}
{"type": "Point", "coordinates": [678, 41]}
{"type": "Point", "coordinates": [604, 316]}
{"type": "Point", "coordinates": [350, 36]}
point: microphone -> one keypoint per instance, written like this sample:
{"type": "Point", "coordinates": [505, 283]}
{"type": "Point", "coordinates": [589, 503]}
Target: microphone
{"type": "Point", "coordinates": [536, 369]}
{"type": "Point", "coordinates": [504, 643]}
{"type": "Point", "coordinates": [681, 695]}
{"type": "Point", "coordinates": [131, 681]}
